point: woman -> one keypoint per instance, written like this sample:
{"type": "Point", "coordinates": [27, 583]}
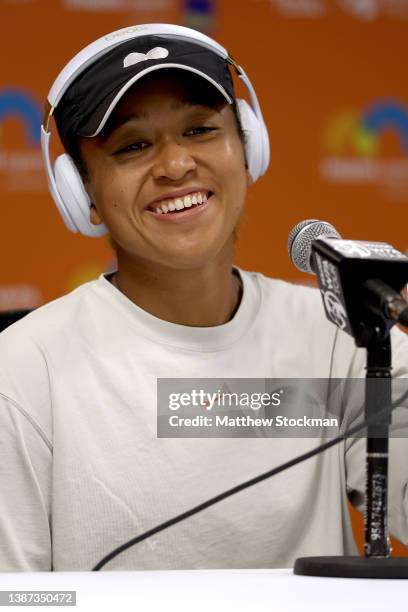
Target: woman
{"type": "Point", "coordinates": [164, 167]}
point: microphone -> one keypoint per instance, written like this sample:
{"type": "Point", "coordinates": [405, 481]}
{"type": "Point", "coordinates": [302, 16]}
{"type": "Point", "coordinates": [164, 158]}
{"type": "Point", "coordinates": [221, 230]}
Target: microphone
{"type": "Point", "coordinates": [300, 242]}
{"type": "Point", "coordinates": [360, 281]}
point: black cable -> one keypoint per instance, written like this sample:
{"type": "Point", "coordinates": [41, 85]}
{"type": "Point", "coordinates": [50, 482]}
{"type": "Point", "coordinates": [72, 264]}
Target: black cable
{"type": "Point", "coordinates": [248, 483]}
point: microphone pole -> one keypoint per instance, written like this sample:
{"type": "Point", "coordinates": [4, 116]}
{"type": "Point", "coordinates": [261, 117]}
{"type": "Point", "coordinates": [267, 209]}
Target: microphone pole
{"type": "Point", "coordinates": [360, 305]}
{"type": "Point", "coordinates": [377, 397]}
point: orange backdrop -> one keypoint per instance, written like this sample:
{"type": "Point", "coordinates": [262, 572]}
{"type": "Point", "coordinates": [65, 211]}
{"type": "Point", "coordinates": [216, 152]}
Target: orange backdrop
{"type": "Point", "coordinates": [330, 75]}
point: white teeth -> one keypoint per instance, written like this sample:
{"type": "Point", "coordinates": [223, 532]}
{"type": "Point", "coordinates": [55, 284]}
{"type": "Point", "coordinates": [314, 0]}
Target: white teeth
{"type": "Point", "coordinates": [180, 203]}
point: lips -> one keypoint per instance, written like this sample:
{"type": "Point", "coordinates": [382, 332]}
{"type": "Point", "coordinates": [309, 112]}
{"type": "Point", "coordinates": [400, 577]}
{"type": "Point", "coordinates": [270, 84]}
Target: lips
{"type": "Point", "coordinates": [182, 215]}
{"type": "Point", "coordinates": [178, 200]}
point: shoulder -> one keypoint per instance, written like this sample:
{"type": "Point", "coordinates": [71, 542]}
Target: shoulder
{"type": "Point", "coordinates": [43, 323]}
{"type": "Point", "coordinates": [29, 347]}
{"type": "Point", "coordinates": [292, 322]}
{"type": "Point", "coordinates": [300, 311]}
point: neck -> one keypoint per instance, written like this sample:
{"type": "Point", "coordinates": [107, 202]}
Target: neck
{"type": "Point", "coordinates": [203, 297]}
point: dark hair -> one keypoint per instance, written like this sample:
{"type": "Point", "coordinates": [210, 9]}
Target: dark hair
{"type": "Point", "coordinates": [205, 94]}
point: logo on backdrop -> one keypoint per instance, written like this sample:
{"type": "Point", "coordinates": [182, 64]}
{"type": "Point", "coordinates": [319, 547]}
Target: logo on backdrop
{"type": "Point", "coordinates": [199, 14]}
{"type": "Point", "coordinates": [364, 10]}
{"type": "Point", "coordinates": [368, 10]}
{"type": "Point", "coordinates": [306, 9]}
{"type": "Point", "coordinates": [368, 147]}
{"type": "Point", "coordinates": [20, 154]}
{"type": "Point", "coordinates": [196, 14]}
{"type": "Point", "coordinates": [19, 295]}
{"type": "Point", "coordinates": [117, 5]}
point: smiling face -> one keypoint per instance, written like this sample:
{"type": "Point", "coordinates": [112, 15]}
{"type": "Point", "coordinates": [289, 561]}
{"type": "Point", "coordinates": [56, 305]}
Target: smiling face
{"type": "Point", "coordinates": [162, 151]}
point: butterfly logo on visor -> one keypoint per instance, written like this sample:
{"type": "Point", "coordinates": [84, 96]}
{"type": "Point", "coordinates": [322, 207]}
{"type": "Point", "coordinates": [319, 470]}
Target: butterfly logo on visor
{"type": "Point", "coordinates": [135, 58]}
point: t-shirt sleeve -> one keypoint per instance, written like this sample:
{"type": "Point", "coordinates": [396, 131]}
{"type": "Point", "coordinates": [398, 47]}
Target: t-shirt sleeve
{"type": "Point", "coordinates": [25, 486]}
{"type": "Point", "coordinates": [25, 453]}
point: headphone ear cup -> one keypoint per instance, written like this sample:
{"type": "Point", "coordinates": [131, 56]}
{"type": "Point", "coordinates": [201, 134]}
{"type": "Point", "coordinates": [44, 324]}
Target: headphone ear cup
{"type": "Point", "coordinates": [76, 202]}
{"type": "Point", "coordinates": [254, 139]}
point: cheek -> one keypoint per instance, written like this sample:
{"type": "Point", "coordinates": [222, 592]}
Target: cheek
{"type": "Point", "coordinates": [234, 173]}
{"type": "Point", "coordinates": [111, 193]}
{"type": "Point", "coordinates": [233, 151]}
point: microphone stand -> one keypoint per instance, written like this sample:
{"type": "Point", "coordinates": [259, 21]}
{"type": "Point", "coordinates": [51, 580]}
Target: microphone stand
{"type": "Point", "coordinates": [376, 562]}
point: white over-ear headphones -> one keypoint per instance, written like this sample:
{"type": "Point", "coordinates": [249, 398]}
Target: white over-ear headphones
{"type": "Point", "coordinates": [64, 180]}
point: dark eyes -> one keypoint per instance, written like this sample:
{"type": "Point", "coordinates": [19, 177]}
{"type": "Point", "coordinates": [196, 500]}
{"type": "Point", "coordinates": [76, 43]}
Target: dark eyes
{"type": "Point", "coordinates": [200, 130]}
{"type": "Point", "coordinates": [136, 147]}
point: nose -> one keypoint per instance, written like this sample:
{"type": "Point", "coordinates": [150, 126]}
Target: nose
{"type": "Point", "coordinates": [173, 161]}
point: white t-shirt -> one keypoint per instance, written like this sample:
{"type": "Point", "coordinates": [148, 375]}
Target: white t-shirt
{"type": "Point", "coordinates": [81, 468]}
